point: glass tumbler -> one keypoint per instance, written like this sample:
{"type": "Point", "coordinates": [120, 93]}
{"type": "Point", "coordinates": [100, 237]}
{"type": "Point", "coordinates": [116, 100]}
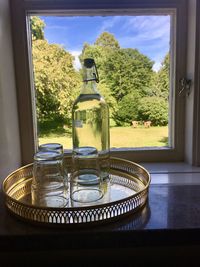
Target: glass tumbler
{"type": "Point", "coordinates": [52, 147]}
{"type": "Point", "coordinates": [56, 147]}
{"type": "Point", "coordinates": [86, 182]}
{"type": "Point", "coordinates": [48, 184]}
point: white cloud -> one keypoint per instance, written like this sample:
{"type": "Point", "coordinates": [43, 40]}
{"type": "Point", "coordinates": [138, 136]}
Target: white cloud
{"type": "Point", "coordinates": [145, 30]}
{"type": "Point", "coordinates": [108, 23]}
{"type": "Point", "coordinates": [76, 53]}
{"type": "Point", "coordinates": [148, 27]}
{"type": "Point", "coordinates": [149, 34]}
{"type": "Point", "coordinates": [157, 66]}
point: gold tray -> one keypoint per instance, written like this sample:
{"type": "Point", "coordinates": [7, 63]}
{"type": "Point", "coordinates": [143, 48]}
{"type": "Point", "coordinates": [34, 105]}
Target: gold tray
{"type": "Point", "coordinates": [127, 192]}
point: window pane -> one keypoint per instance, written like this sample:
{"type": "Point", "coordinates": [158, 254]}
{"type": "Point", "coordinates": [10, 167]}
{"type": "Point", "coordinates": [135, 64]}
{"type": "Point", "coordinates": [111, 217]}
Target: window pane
{"type": "Point", "coordinates": [132, 54]}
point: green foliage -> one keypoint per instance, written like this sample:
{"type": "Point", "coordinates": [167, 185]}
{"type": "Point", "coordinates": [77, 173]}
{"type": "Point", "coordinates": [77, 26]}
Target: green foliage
{"type": "Point", "coordinates": [56, 81]}
{"type": "Point", "coordinates": [127, 110]}
{"type": "Point", "coordinates": [160, 80]}
{"type": "Point", "coordinates": [37, 28]}
{"type": "Point", "coordinates": [107, 41]}
{"type": "Point", "coordinates": [96, 52]}
{"type": "Point", "coordinates": [154, 109]}
{"type": "Point", "coordinates": [124, 74]}
{"type": "Point", "coordinates": [106, 93]}
{"type": "Point", "coordinates": [126, 71]}
{"type": "Point", "coordinates": [163, 77]}
{"type": "Point", "coordinates": [104, 45]}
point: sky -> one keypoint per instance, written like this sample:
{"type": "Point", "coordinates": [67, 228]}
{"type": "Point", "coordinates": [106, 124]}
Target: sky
{"type": "Point", "coordinates": [149, 34]}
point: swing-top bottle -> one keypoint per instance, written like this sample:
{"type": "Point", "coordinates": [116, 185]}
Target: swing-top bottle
{"type": "Point", "coordinates": [90, 120]}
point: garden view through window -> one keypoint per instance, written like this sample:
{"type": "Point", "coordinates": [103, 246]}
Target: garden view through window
{"type": "Point", "coordinates": [132, 54]}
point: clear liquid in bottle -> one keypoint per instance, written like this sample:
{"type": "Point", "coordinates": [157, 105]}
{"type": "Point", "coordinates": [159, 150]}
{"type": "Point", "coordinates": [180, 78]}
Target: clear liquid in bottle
{"type": "Point", "coordinates": [90, 116]}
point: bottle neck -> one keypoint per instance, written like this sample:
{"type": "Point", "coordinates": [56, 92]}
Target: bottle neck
{"type": "Point", "coordinates": [89, 81]}
{"type": "Point", "coordinates": [89, 87]}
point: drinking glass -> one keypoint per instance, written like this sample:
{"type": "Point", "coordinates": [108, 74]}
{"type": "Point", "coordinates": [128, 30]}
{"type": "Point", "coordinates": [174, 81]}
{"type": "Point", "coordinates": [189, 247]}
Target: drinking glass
{"type": "Point", "coordinates": [52, 147]}
{"type": "Point", "coordinates": [48, 187]}
{"type": "Point", "coordinates": [59, 149]}
{"type": "Point", "coordinates": [86, 182]}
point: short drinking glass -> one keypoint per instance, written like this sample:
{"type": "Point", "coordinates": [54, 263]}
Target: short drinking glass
{"type": "Point", "coordinates": [86, 182]}
{"type": "Point", "coordinates": [52, 147]}
{"type": "Point", "coordinates": [58, 148]}
{"type": "Point", "coordinates": [48, 184]}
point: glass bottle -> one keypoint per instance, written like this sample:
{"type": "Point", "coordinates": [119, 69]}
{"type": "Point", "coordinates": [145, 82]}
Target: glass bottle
{"type": "Point", "coordinates": [90, 119]}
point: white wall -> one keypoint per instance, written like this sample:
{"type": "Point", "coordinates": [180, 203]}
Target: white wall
{"type": "Point", "coordinates": [9, 130]}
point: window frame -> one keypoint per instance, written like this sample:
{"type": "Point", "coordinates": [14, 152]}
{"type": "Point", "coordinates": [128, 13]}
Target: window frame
{"type": "Point", "coordinates": [21, 9]}
{"type": "Point", "coordinates": [196, 97]}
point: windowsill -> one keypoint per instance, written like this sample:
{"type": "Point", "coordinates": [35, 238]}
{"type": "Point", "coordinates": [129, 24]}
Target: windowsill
{"type": "Point", "coordinates": [173, 173]}
{"type": "Point", "coordinates": [170, 167]}
{"type": "Point", "coordinates": [160, 167]}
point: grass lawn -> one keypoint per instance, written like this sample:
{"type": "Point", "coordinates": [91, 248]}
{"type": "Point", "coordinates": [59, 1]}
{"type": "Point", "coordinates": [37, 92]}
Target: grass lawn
{"type": "Point", "coordinates": [120, 137]}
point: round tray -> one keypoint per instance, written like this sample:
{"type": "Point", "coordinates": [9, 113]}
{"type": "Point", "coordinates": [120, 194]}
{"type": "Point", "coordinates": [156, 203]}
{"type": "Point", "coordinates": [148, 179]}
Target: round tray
{"type": "Point", "coordinates": [126, 192]}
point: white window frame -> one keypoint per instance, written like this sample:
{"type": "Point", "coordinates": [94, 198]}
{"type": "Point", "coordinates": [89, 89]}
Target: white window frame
{"type": "Point", "coordinates": [21, 9]}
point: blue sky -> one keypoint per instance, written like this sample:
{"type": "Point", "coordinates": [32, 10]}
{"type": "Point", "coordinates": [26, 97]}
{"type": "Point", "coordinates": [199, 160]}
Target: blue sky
{"type": "Point", "coordinates": [149, 34]}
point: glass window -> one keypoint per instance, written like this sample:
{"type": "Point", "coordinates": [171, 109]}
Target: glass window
{"type": "Point", "coordinates": [132, 54]}
{"type": "Point", "coordinates": [138, 49]}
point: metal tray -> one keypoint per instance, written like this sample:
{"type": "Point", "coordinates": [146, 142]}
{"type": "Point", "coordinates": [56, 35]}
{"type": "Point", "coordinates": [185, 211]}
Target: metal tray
{"type": "Point", "coordinates": [126, 193]}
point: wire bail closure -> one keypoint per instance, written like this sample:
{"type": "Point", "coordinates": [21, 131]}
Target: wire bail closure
{"type": "Point", "coordinates": [96, 75]}
{"type": "Point", "coordinates": [90, 63]}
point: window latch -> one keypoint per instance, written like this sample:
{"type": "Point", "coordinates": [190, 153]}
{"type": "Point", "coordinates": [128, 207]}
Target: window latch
{"type": "Point", "coordinates": [184, 86]}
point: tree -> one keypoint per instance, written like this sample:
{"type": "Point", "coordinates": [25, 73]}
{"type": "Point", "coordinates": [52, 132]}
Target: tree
{"type": "Point", "coordinates": [154, 109]}
{"type": "Point", "coordinates": [107, 41]}
{"type": "Point", "coordinates": [95, 52]}
{"type": "Point", "coordinates": [162, 78]}
{"type": "Point", "coordinates": [56, 81]}
{"type": "Point", "coordinates": [107, 95]}
{"type": "Point", "coordinates": [127, 109]}
{"type": "Point", "coordinates": [37, 28]}
{"type": "Point", "coordinates": [126, 71]}
{"type": "Point", "coordinates": [99, 51]}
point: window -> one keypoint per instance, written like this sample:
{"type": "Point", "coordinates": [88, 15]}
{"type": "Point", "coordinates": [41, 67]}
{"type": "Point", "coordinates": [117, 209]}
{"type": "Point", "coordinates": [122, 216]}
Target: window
{"type": "Point", "coordinates": [133, 57]}
{"type": "Point", "coordinates": [22, 44]}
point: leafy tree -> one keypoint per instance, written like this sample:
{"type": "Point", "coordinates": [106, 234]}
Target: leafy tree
{"type": "Point", "coordinates": [160, 80]}
{"type": "Point", "coordinates": [164, 77]}
{"type": "Point", "coordinates": [154, 109]}
{"type": "Point", "coordinates": [99, 51]}
{"type": "Point", "coordinates": [126, 71]}
{"type": "Point", "coordinates": [37, 28]}
{"type": "Point", "coordinates": [127, 110]}
{"type": "Point", "coordinates": [107, 41]}
{"type": "Point", "coordinates": [106, 93]}
{"type": "Point", "coordinates": [95, 52]}
{"type": "Point", "coordinates": [56, 81]}
{"type": "Point", "coordinates": [124, 74]}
